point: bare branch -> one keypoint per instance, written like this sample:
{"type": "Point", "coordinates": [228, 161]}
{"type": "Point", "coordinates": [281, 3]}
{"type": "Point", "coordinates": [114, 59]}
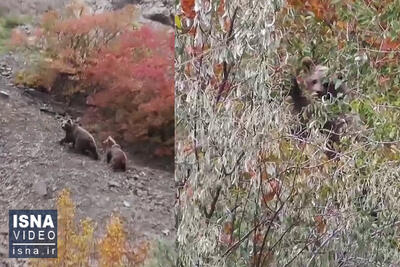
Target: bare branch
{"type": "Point", "coordinates": [213, 203]}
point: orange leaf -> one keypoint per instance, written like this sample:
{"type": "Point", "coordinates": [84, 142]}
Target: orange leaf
{"type": "Point", "coordinates": [296, 3]}
{"type": "Point", "coordinates": [227, 24]}
{"type": "Point", "coordinates": [188, 8]}
{"type": "Point", "coordinates": [193, 31]}
{"type": "Point", "coordinates": [341, 44]}
{"type": "Point", "coordinates": [274, 189]}
{"type": "Point", "coordinates": [320, 224]}
{"type": "Point", "coordinates": [342, 25]}
{"type": "Point", "coordinates": [189, 71]}
{"type": "Point", "coordinates": [316, 7]}
{"type": "Point", "coordinates": [268, 197]}
{"type": "Point", "coordinates": [225, 236]}
{"type": "Point", "coordinates": [388, 44]}
{"type": "Point", "coordinates": [218, 69]}
{"type": "Point", "coordinates": [275, 186]}
{"type": "Point", "coordinates": [383, 80]}
{"type": "Point", "coordinates": [221, 8]}
{"type": "Point", "coordinates": [264, 175]}
{"type": "Point", "coordinates": [214, 82]}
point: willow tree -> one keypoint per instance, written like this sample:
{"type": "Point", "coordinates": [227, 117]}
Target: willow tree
{"type": "Point", "coordinates": [252, 193]}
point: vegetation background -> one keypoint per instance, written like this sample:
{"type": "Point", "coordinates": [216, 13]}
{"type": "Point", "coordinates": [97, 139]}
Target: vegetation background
{"type": "Point", "coordinates": [253, 194]}
{"type": "Point", "coordinates": [120, 69]}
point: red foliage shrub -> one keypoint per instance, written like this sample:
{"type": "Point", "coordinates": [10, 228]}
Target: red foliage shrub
{"type": "Point", "coordinates": [135, 72]}
{"type": "Point", "coordinates": [127, 72]}
{"type": "Point", "coordinates": [74, 36]}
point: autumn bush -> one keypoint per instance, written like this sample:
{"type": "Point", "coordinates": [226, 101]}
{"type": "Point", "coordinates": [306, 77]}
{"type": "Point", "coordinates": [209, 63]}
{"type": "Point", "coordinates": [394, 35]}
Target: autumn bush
{"type": "Point", "coordinates": [123, 69]}
{"type": "Point", "coordinates": [250, 192]}
{"type": "Point", "coordinates": [137, 75]}
{"type": "Point", "coordinates": [77, 245]}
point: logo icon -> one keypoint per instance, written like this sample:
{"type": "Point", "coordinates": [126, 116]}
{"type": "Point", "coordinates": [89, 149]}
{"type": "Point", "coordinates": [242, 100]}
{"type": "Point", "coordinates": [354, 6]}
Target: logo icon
{"type": "Point", "coordinates": [32, 233]}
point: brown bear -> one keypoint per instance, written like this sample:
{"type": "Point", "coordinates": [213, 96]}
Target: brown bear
{"type": "Point", "coordinates": [82, 141]}
{"type": "Point", "coordinates": [316, 84]}
{"type": "Point", "coordinates": [115, 155]}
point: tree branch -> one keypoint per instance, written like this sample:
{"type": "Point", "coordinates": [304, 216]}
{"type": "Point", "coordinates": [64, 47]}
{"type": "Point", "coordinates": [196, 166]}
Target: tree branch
{"type": "Point", "coordinates": [213, 203]}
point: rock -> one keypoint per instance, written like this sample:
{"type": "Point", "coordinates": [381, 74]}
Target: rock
{"type": "Point", "coordinates": [159, 203]}
{"type": "Point", "coordinates": [5, 70]}
{"type": "Point", "coordinates": [4, 230]}
{"type": "Point", "coordinates": [3, 252]}
{"type": "Point", "coordinates": [162, 18]}
{"type": "Point", "coordinates": [112, 183]}
{"type": "Point", "coordinates": [4, 94]}
{"type": "Point", "coordinates": [126, 204]}
{"type": "Point", "coordinates": [165, 232]}
{"type": "Point", "coordinates": [140, 193]}
{"type": "Point", "coordinates": [141, 187]}
{"type": "Point", "coordinates": [5, 73]}
{"type": "Point", "coordinates": [160, 11]}
{"type": "Point", "coordinates": [40, 188]}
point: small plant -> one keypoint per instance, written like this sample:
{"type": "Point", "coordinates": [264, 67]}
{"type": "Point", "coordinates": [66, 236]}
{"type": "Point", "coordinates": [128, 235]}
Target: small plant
{"type": "Point", "coordinates": [77, 246]}
{"type": "Point", "coordinates": [114, 250]}
{"type": "Point", "coordinates": [112, 246]}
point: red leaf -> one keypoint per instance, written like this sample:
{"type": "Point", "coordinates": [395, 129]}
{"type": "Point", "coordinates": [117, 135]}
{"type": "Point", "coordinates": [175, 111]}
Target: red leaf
{"type": "Point", "coordinates": [221, 8]}
{"type": "Point", "coordinates": [320, 224]}
{"type": "Point", "coordinates": [188, 8]}
{"type": "Point", "coordinates": [225, 236]}
{"type": "Point", "coordinates": [389, 45]}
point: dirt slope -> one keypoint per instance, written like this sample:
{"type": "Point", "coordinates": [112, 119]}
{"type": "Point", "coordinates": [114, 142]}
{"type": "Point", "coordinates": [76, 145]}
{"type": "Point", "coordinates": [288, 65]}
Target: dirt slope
{"type": "Point", "coordinates": [34, 167]}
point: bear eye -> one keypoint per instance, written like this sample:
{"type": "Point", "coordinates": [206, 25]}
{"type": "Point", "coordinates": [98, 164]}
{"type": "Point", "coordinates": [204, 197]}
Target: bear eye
{"type": "Point", "coordinates": [314, 82]}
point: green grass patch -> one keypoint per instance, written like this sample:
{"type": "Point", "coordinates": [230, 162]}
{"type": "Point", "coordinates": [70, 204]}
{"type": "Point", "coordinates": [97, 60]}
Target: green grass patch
{"type": "Point", "coordinates": [7, 24]}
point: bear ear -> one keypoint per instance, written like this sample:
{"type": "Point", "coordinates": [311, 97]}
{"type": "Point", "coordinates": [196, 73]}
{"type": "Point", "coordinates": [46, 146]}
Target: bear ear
{"type": "Point", "coordinates": [307, 64]}
{"type": "Point", "coordinates": [78, 121]}
{"type": "Point", "coordinates": [106, 140]}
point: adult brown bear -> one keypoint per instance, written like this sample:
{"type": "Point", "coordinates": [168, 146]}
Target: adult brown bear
{"type": "Point", "coordinates": [82, 141]}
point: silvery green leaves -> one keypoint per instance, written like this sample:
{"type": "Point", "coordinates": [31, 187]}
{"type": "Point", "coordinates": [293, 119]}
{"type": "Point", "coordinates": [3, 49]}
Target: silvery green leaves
{"type": "Point", "coordinates": [253, 191]}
